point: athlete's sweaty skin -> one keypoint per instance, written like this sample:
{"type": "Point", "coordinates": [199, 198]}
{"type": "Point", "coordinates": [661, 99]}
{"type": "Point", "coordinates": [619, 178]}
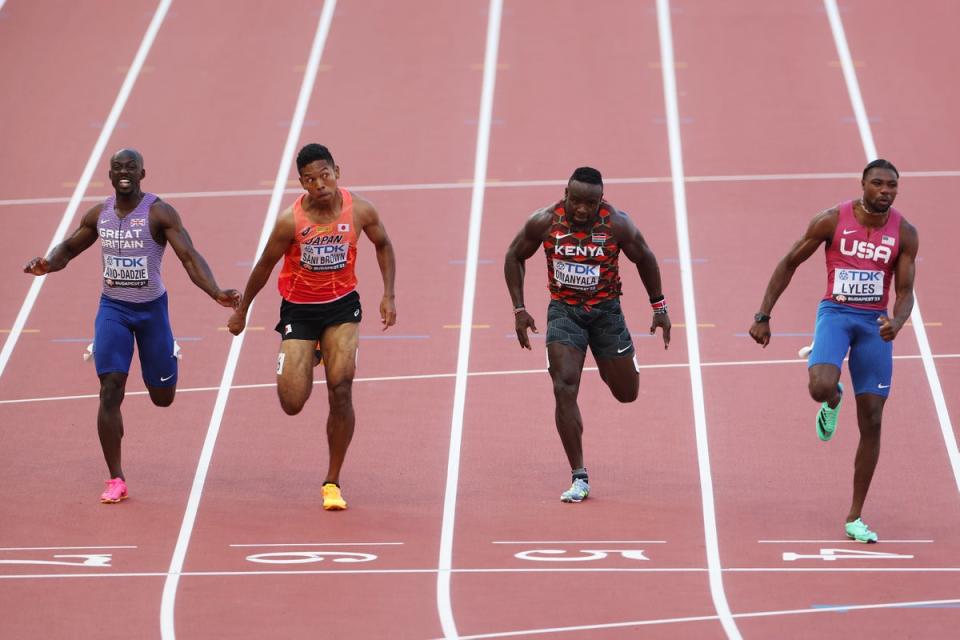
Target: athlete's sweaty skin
{"type": "Point", "coordinates": [166, 228]}
{"type": "Point", "coordinates": [322, 204]}
{"type": "Point", "coordinates": [871, 212]}
{"type": "Point", "coordinates": [582, 205]}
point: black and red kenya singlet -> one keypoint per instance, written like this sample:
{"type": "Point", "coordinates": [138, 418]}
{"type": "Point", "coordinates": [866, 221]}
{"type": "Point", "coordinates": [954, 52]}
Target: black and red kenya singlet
{"type": "Point", "coordinates": [582, 265]}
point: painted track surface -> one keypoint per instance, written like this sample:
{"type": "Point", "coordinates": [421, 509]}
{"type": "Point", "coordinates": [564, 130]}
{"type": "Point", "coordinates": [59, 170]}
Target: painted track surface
{"type": "Point", "coordinates": [397, 99]}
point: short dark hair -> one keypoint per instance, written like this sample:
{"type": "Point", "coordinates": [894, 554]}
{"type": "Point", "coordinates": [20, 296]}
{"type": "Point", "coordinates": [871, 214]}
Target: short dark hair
{"type": "Point", "coordinates": [311, 153]}
{"type": "Point", "coordinates": [880, 163]}
{"type": "Point", "coordinates": [589, 175]}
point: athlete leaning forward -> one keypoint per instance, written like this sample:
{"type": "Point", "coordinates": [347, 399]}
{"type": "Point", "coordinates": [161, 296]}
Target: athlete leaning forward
{"type": "Point", "coordinates": [582, 237]}
{"type": "Point", "coordinates": [320, 312]}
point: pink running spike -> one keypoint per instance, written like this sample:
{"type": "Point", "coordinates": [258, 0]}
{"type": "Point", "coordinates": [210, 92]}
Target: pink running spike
{"type": "Point", "coordinates": [116, 491]}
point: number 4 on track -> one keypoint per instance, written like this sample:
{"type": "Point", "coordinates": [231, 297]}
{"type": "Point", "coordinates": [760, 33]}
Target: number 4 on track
{"type": "Point", "coordinates": [831, 555]}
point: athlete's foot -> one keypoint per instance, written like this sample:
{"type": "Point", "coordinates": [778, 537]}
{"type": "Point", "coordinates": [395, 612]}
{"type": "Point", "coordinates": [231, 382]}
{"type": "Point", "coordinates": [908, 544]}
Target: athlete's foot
{"type": "Point", "coordinates": [115, 492]}
{"type": "Point", "coordinates": [859, 531]}
{"type": "Point", "coordinates": [827, 418]}
{"type": "Point", "coordinates": [332, 498]}
{"type": "Point", "coordinates": [577, 492]}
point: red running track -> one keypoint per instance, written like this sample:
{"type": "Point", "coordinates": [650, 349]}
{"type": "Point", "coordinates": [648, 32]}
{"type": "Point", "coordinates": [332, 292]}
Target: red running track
{"type": "Point", "coordinates": [768, 139]}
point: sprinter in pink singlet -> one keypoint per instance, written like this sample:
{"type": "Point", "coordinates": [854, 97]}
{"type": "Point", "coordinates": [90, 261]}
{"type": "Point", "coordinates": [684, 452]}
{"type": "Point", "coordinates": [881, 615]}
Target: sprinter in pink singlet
{"type": "Point", "coordinates": [868, 245]}
{"type": "Point", "coordinates": [134, 228]}
{"type": "Point", "coordinates": [320, 308]}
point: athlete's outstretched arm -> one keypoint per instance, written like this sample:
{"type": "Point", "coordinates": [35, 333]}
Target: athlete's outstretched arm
{"type": "Point", "coordinates": [820, 230]}
{"type": "Point", "coordinates": [280, 239]}
{"type": "Point", "coordinates": [169, 223]}
{"type": "Point", "coordinates": [635, 247]}
{"type": "Point", "coordinates": [78, 242]}
{"type": "Point", "coordinates": [369, 219]}
{"type": "Point", "coordinates": [903, 275]}
{"type": "Point", "coordinates": [524, 245]}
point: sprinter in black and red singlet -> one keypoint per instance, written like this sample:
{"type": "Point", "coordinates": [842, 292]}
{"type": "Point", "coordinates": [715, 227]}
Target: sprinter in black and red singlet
{"type": "Point", "coordinates": [320, 311]}
{"type": "Point", "coordinates": [583, 236]}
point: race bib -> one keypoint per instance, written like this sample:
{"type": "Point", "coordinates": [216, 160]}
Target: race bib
{"type": "Point", "coordinates": [125, 271]}
{"type": "Point", "coordinates": [576, 275]}
{"type": "Point", "coordinates": [854, 285]}
{"type": "Point", "coordinates": [323, 257]}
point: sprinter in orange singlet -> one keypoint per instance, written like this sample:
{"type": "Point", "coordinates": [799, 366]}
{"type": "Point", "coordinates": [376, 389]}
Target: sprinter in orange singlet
{"type": "Point", "coordinates": [320, 311]}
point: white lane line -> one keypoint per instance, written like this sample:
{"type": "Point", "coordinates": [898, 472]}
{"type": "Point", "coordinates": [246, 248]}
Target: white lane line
{"type": "Point", "coordinates": [322, 544]}
{"type": "Point", "coordinates": [499, 184]}
{"type": "Point", "coordinates": [870, 149]}
{"type": "Point", "coordinates": [690, 318]}
{"type": "Point", "coordinates": [168, 600]}
{"type": "Point", "coordinates": [92, 162]}
{"type": "Point", "coordinates": [581, 542]}
{"type": "Point", "coordinates": [844, 541]}
{"type": "Point", "coordinates": [756, 614]}
{"type": "Point", "coordinates": [63, 548]}
{"type": "Point", "coordinates": [445, 561]}
{"type": "Point", "coordinates": [437, 376]}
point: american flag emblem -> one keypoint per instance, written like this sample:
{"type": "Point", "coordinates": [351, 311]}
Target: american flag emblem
{"type": "Point", "coordinates": [599, 238]}
{"type": "Point", "coordinates": [887, 240]}
{"type": "Point", "coordinates": [138, 222]}
{"type": "Point", "coordinates": [343, 227]}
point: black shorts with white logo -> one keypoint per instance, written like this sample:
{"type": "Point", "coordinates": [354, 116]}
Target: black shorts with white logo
{"type": "Point", "coordinates": [603, 328]}
{"type": "Point", "coordinates": [309, 321]}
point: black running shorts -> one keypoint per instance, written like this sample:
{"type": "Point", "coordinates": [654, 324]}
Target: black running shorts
{"type": "Point", "coordinates": [603, 328]}
{"type": "Point", "coordinates": [309, 321]}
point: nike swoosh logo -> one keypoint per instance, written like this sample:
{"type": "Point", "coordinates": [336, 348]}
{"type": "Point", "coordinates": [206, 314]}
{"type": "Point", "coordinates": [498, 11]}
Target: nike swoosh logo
{"type": "Point", "coordinates": [622, 350]}
{"type": "Point", "coordinates": [167, 378]}
{"type": "Point", "coordinates": [565, 235]}
{"type": "Point", "coordinates": [883, 386]}
{"type": "Point", "coordinates": [847, 232]}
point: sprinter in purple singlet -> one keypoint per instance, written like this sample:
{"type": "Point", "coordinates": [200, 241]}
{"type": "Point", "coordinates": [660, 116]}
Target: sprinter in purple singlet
{"type": "Point", "coordinates": [134, 228]}
{"type": "Point", "coordinates": [868, 244]}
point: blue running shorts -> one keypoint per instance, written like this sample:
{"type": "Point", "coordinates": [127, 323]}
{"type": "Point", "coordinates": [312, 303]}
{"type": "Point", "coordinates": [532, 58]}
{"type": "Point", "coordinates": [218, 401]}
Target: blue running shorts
{"type": "Point", "coordinates": [841, 328]}
{"type": "Point", "coordinates": [119, 323]}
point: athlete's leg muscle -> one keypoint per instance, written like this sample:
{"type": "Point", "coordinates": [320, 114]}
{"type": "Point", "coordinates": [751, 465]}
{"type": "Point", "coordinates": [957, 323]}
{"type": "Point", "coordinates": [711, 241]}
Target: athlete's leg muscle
{"type": "Point", "coordinates": [295, 374]}
{"type": "Point", "coordinates": [110, 421]}
{"type": "Point", "coordinates": [869, 418]}
{"type": "Point", "coordinates": [339, 347]}
{"type": "Point", "coordinates": [566, 366]}
{"type": "Point", "coordinates": [621, 376]}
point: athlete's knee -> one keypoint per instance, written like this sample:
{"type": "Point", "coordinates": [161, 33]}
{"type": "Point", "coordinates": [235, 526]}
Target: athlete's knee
{"type": "Point", "coordinates": [565, 389]}
{"type": "Point", "coordinates": [822, 390]}
{"type": "Point", "coordinates": [162, 397]}
{"type": "Point", "coordinates": [626, 394]}
{"type": "Point", "coordinates": [111, 392]}
{"type": "Point", "coordinates": [340, 394]}
{"type": "Point", "coordinates": [292, 406]}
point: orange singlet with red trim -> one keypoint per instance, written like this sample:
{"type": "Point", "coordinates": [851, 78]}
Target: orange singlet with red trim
{"type": "Point", "coordinates": [318, 266]}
